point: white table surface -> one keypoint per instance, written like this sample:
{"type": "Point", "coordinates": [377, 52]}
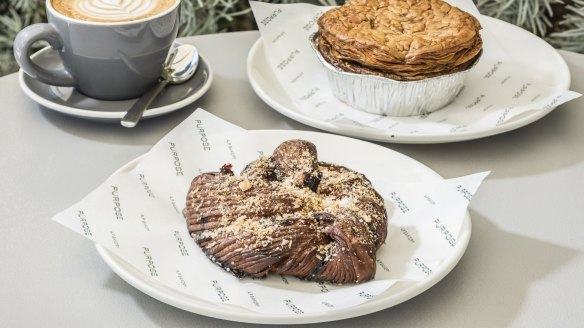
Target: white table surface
{"type": "Point", "coordinates": [524, 266]}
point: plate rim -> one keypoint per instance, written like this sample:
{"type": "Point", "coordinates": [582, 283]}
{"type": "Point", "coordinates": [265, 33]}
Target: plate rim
{"type": "Point", "coordinates": [106, 116]}
{"type": "Point", "coordinates": [373, 134]}
{"type": "Point", "coordinates": [228, 312]}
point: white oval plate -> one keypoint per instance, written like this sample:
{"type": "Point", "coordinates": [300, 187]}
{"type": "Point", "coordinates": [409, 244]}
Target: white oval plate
{"type": "Point", "coordinates": [535, 52]}
{"type": "Point", "coordinates": [68, 101]}
{"type": "Point", "coordinates": [359, 155]}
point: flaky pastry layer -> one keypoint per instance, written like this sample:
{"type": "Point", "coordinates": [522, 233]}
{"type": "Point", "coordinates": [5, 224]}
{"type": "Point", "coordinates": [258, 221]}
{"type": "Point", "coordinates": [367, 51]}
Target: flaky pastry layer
{"type": "Point", "coordinates": [404, 37]}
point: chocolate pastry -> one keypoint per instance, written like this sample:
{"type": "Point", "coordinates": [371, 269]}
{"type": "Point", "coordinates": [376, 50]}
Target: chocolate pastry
{"type": "Point", "coordinates": [289, 214]}
{"type": "Point", "coordinates": [402, 40]}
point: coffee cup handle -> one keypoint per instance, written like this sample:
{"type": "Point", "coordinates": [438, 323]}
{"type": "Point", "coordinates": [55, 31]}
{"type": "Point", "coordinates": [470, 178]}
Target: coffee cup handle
{"type": "Point", "coordinates": [22, 44]}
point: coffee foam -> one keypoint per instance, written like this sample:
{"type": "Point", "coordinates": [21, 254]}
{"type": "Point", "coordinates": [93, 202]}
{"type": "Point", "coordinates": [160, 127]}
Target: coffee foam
{"type": "Point", "coordinates": [111, 10]}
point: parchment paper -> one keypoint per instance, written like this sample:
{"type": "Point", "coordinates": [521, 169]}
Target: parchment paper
{"type": "Point", "coordinates": [138, 215]}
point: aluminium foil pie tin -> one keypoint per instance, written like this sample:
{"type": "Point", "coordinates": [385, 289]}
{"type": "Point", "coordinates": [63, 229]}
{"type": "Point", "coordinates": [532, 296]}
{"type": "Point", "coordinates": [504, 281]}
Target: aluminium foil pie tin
{"type": "Point", "coordinates": [383, 96]}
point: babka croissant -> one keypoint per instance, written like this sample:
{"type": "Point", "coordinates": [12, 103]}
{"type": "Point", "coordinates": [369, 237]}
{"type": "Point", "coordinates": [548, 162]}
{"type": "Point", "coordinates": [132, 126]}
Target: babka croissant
{"type": "Point", "coordinates": [289, 214]}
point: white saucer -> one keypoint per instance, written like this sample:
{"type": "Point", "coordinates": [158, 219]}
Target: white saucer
{"type": "Point", "coordinates": [68, 101]}
{"type": "Point", "coordinates": [357, 154]}
{"type": "Point", "coordinates": [540, 57]}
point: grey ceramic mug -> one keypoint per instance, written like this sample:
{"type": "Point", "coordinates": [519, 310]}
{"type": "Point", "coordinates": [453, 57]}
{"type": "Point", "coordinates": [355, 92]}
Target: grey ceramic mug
{"type": "Point", "coordinates": [113, 61]}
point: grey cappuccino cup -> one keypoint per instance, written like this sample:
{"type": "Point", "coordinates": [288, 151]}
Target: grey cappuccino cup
{"type": "Point", "coordinates": [104, 60]}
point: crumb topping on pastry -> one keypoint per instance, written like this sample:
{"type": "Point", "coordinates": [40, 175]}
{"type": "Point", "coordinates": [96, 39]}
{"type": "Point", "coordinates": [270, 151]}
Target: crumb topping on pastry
{"type": "Point", "coordinates": [289, 214]}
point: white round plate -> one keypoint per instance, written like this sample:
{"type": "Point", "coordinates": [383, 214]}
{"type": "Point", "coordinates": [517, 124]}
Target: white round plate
{"type": "Point", "coordinates": [359, 155]}
{"type": "Point", "coordinates": [543, 59]}
{"type": "Point", "coordinates": [68, 101]}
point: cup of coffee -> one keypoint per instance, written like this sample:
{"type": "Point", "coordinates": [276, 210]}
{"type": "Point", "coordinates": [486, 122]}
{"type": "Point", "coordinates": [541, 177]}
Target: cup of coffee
{"type": "Point", "coordinates": [110, 49]}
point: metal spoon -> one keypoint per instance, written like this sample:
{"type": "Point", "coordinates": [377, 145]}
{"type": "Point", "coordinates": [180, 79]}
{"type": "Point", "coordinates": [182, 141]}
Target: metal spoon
{"type": "Point", "coordinates": [180, 66]}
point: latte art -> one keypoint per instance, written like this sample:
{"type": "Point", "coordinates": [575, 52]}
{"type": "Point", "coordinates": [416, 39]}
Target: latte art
{"type": "Point", "coordinates": [114, 9]}
{"type": "Point", "coordinates": [111, 10]}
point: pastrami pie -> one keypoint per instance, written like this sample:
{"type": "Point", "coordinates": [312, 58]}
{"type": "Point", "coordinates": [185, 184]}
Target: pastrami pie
{"type": "Point", "coordinates": [404, 40]}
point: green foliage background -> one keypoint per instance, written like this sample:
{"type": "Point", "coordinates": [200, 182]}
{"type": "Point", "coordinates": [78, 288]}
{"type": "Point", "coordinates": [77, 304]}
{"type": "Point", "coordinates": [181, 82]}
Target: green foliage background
{"type": "Point", "coordinates": [560, 22]}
